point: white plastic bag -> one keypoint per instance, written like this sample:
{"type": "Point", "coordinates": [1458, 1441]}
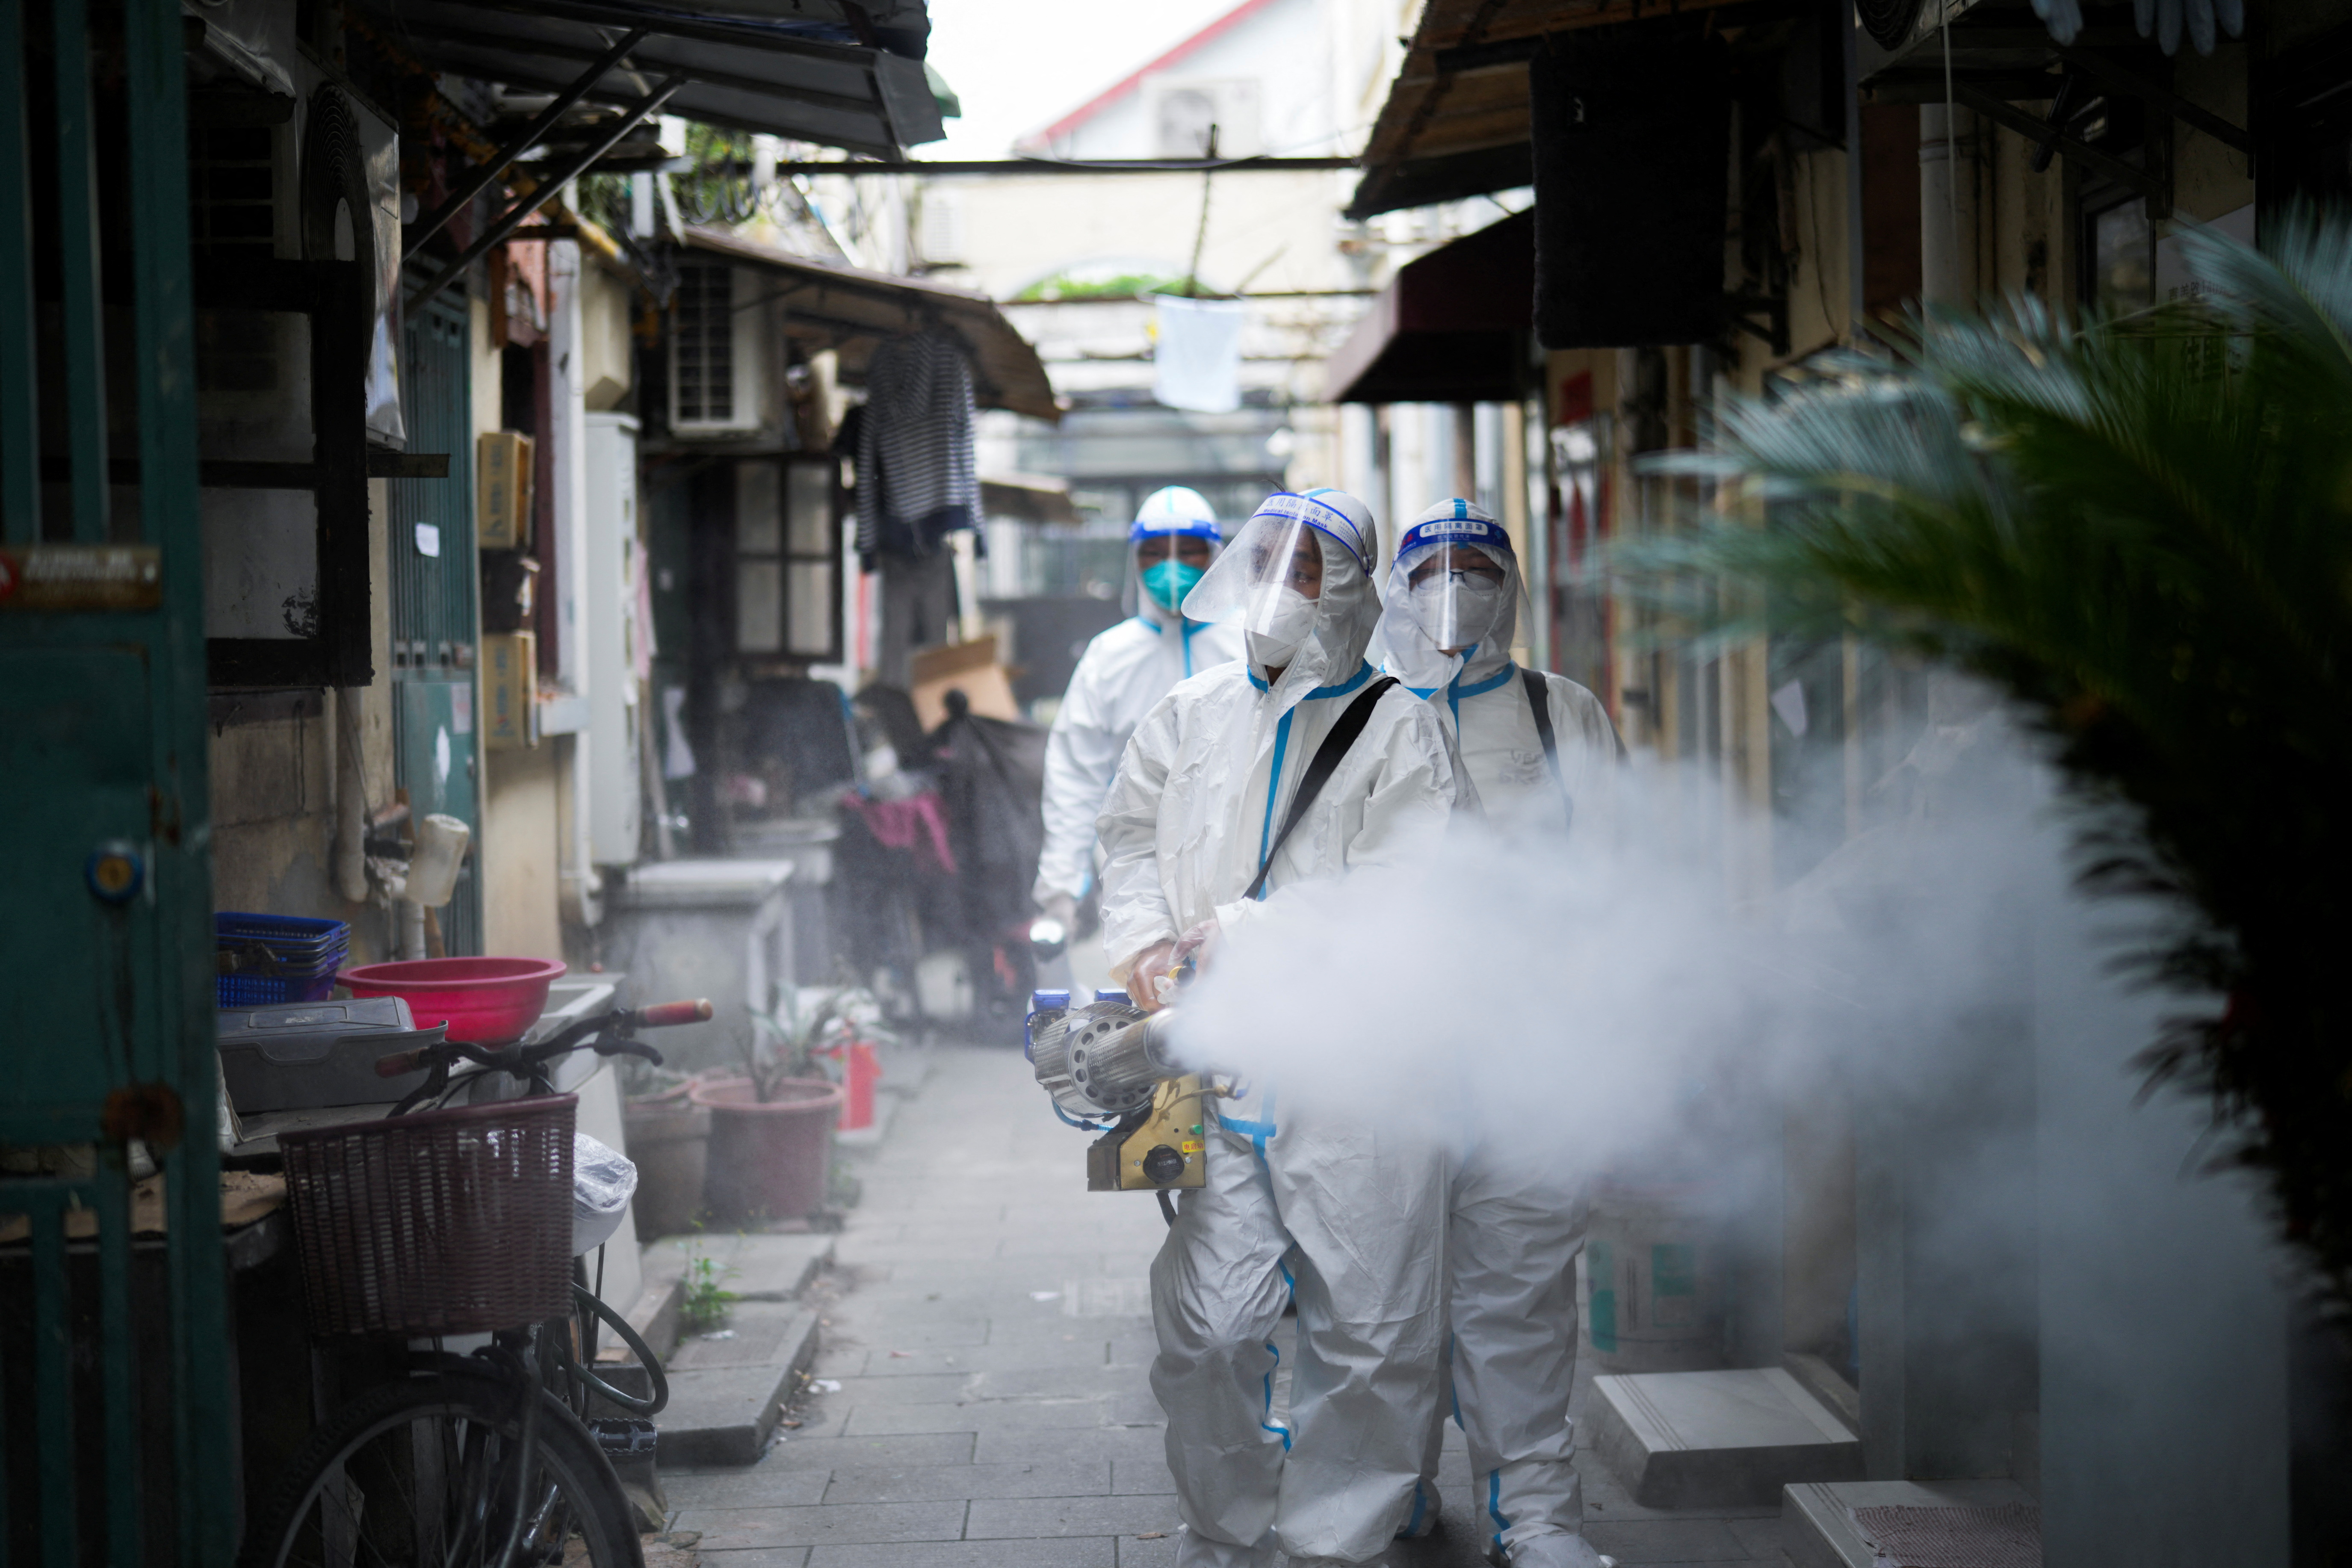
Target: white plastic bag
{"type": "Point", "coordinates": [603, 1180]}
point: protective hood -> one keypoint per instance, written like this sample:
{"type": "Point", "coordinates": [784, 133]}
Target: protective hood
{"type": "Point", "coordinates": [1467, 596]}
{"type": "Point", "coordinates": [1297, 584]}
{"type": "Point", "coordinates": [1172, 512]}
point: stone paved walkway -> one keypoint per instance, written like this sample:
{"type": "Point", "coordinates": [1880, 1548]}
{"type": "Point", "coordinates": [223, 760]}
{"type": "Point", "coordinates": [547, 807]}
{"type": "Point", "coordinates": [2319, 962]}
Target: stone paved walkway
{"type": "Point", "coordinates": [990, 1336]}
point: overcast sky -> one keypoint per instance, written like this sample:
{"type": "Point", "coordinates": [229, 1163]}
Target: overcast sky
{"type": "Point", "coordinates": [1019, 65]}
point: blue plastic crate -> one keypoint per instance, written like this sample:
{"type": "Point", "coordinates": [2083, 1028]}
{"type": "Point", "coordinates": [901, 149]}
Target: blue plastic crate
{"type": "Point", "coordinates": [289, 938]}
{"type": "Point", "coordinates": [289, 958]}
{"type": "Point", "coordinates": [272, 990]}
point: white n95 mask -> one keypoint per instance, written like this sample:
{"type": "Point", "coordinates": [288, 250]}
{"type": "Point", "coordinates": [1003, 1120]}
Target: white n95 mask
{"type": "Point", "coordinates": [1457, 608]}
{"type": "Point", "coordinates": [1277, 623]}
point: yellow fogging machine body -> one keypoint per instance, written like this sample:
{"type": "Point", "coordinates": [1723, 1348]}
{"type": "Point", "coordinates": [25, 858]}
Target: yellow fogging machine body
{"type": "Point", "coordinates": [1107, 1068]}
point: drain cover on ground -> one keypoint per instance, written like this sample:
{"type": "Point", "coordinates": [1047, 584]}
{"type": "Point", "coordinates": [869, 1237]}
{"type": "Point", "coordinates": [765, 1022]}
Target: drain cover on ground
{"type": "Point", "coordinates": [2005, 1535]}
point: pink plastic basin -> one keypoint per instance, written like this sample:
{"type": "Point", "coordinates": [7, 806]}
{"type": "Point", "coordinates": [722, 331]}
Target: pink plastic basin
{"type": "Point", "coordinates": [485, 1001]}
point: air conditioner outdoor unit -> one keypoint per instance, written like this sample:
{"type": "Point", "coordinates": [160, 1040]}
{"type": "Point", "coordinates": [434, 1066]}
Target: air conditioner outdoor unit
{"type": "Point", "coordinates": [1183, 110]}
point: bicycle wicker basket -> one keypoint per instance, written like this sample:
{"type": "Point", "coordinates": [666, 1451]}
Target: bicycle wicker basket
{"type": "Point", "coordinates": [447, 1222]}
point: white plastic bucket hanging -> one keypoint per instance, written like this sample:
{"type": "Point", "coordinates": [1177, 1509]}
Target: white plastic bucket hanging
{"type": "Point", "coordinates": [433, 868]}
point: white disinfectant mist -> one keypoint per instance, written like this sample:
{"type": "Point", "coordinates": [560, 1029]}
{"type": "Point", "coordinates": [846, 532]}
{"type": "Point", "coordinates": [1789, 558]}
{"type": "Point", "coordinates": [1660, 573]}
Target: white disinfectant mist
{"type": "Point", "coordinates": [1647, 991]}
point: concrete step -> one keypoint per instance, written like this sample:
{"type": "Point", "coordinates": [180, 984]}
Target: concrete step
{"type": "Point", "coordinates": [755, 1267]}
{"type": "Point", "coordinates": [726, 1395]}
{"type": "Point", "coordinates": [726, 1385]}
{"type": "Point", "coordinates": [1705, 1439]}
{"type": "Point", "coordinates": [1820, 1527]}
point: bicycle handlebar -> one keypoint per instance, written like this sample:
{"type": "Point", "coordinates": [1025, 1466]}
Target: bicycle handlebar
{"type": "Point", "coordinates": [519, 1060]}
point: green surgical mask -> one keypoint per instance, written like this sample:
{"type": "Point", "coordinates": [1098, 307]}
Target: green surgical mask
{"type": "Point", "coordinates": [1169, 580]}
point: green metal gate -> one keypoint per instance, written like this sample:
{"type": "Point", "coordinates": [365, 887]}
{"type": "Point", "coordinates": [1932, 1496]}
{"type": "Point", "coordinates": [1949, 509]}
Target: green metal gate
{"type": "Point", "coordinates": [116, 1413]}
{"type": "Point", "coordinates": [434, 588]}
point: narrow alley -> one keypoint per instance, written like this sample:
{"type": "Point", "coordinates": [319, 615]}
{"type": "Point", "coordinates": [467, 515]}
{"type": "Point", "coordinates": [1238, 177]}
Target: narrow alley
{"type": "Point", "coordinates": [992, 1341]}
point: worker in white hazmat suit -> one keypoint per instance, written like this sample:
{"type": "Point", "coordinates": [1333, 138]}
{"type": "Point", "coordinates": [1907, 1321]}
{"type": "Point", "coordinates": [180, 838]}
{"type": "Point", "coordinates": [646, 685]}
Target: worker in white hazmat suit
{"type": "Point", "coordinates": [1122, 673]}
{"type": "Point", "coordinates": [1204, 829]}
{"type": "Point", "coordinates": [1538, 752]}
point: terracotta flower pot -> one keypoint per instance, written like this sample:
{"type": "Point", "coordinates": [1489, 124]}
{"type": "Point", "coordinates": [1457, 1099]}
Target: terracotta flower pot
{"type": "Point", "coordinates": [771, 1160]}
{"type": "Point", "coordinates": [669, 1139]}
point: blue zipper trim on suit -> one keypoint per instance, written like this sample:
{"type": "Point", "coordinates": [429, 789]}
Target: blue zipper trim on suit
{"type": "Point", "coordinates": [1456, 691]}
{"type": "Point", "coordinates": [1266, 1421]}
{"type": "Point", "coordinates": [1258, 1132]}
{"type": "Point", "coordinates": [1420, 1507]}
{"type": "Point", "coordinates": [1282, 745]}
{"type": "Point", "coordinates": [1495, 1505]}
{"type": "Point", "coordinates": [1192, 628]}
{"type": "Point", "coordinates": [1273, 786]}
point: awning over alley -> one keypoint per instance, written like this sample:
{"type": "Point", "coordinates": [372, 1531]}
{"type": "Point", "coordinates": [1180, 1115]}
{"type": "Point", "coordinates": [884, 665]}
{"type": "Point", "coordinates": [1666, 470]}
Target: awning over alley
{"type": "Point", "coordinates": [1449, 327]}
{"type": "Point", "coordinates": [828, 305]}
{"type": "Point", "coordinates": [808, 77]}
{"type": "Point", "coordinates": [1455, 123]}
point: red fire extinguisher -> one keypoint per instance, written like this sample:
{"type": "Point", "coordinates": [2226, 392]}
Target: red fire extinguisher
{"type": "Point", "coordinates": [860, 1071]}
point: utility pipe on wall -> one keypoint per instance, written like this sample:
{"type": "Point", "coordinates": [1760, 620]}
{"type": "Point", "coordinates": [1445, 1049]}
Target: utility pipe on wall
{"type": "Point", "coordinates": [1948, 204]}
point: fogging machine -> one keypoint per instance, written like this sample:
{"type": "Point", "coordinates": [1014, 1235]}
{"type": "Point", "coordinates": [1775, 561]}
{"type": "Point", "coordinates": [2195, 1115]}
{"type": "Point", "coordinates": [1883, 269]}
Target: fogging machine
{"type": "Point", "coordinates": [1106, 1066]}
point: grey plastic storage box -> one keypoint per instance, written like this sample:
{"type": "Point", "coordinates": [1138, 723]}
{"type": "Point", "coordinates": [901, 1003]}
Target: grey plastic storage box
{"type": "Point", "coordinates": [305, 1054]}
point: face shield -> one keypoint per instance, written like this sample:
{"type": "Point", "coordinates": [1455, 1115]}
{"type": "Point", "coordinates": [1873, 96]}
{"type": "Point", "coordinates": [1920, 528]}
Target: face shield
{"type": "Point", "coordinates": [1453, 597]}
{"type": "Point", "coordinates": [1170, 547]}
{"type": "Point", "coordinates": [1296, 568]}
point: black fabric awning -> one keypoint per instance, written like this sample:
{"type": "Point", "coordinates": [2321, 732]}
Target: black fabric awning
{"type": "Point", "coordinates": [1449, 327]}
{"type": "Point", "coordinates": [800, 76]}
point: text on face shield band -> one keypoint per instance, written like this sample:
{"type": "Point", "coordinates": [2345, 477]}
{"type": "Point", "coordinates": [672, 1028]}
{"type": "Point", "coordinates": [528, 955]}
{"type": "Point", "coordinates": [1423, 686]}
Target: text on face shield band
{"type": "Point", "coordinates": [1447, 528]}
{"type": "Point", "coordinates": [1329, 520]}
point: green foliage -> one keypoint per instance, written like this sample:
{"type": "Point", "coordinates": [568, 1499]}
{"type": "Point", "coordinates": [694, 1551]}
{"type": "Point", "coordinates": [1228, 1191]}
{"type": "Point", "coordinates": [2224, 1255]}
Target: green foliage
{"type": "Point", "coordinates": [2140, 528]}
{"type": "Point", "coordinates": [806, 1019]}
{"type": "Point", "coordinates": [1124, 286]}
{"type": "Point", "coordinates": [705, 1299]}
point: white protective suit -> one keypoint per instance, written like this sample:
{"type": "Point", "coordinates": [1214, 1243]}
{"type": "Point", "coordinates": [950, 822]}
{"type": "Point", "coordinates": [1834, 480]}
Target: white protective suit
{"type": "Point", "coordinates": [1123, 672]}
{"type": "Point", "coordinates": [1348, 1217]}
{"type": "Point", "coordinates": [1514, 1222]}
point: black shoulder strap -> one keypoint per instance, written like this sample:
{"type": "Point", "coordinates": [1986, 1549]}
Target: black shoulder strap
{"type": "Point", "coordinates": [1318, 772]}
{"type": "Point", "coordinates": [1539, 704]}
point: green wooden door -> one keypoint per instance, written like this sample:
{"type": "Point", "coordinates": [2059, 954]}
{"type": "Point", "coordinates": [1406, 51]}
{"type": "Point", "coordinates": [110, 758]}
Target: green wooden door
{"type": "Point", "coordinates": [434, 590]}
{"type": "Point", "coordinates": [105, 929]}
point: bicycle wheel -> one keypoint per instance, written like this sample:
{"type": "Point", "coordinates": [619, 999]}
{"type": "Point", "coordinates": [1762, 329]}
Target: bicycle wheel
{"type": "Point", "coordinates": [422, 1472]}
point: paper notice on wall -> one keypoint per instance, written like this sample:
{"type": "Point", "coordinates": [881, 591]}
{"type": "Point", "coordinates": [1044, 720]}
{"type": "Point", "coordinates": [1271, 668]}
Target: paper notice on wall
{"type": "Point", "coordinates": [428, 539]}
{"type": "Point", "coordinates": [1197, 357]}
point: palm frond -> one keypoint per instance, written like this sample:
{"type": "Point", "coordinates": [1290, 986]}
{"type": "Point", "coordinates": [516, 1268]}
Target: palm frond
{"type": "Point", "coordinates": [2142, 529]}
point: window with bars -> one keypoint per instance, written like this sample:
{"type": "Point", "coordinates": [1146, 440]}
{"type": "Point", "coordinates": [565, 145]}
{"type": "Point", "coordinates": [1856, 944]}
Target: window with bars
{"type": "Point", "coordinates": [232, 189]}
{"type": "Point", "coordinates": [702, 348]}
{"type": "Point", "coordinates": [788, 558]}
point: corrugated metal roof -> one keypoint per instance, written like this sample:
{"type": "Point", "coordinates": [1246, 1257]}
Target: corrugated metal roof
{"type": "Point", "coordinates": [833, 305]}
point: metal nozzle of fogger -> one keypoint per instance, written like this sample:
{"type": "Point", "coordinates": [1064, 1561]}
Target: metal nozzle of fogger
{"type": "Point", "coordinates": [1102, 1060]}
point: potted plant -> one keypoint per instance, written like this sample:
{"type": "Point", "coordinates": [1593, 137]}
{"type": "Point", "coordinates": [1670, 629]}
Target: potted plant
{"type": "Point", "coordinates": [668, 1136]}
{"type": "Point", "coordinates": [772, 1128]}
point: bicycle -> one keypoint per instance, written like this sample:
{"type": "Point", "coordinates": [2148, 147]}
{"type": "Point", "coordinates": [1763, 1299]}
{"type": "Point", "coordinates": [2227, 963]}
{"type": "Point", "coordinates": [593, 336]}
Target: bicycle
{"type": "Point", "coordinates": [482, 1460]}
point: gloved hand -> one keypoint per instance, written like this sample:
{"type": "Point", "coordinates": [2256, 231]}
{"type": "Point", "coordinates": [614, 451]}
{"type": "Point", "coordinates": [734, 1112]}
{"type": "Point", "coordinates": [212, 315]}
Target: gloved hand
{"type": "Point", "coordinates": [1063, 907]}
{"type": "Point", "coordinates": [1200, 944]}
{"type": "Point", "coordinates": [1145, 971]}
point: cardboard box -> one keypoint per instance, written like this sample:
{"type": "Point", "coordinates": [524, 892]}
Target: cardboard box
{"type": "Point", "coordinates": [509, 691]}
{"type": "Point", "coordinates": [968, 667]}
{"type": "Point", "coordinates": [503, 481]}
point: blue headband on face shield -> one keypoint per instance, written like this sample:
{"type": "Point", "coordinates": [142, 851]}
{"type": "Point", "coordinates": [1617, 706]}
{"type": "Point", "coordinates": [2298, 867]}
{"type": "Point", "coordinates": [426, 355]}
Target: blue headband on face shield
{"type": "Point", "coordinates": [1455, 530]}
{"type": "Point", "coordinates": [1324, 518]}
{"type": "Point", "coordinates": [1172, 528]}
